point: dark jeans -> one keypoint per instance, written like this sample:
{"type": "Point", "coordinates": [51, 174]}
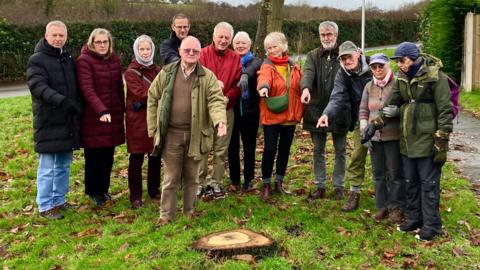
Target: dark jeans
{"type": "Point", "coordinates": [389, 191]}
{"type": "Point", "coordinates": [135, 176]}
{"type": "Point", "coordinates": [422, 178]}
{"type": "Point", "coordinates": [276, 137]}
{"type": "Point", "coordinates": [246, 128]}
{"type": "Point", "coordinates": [98, 166]}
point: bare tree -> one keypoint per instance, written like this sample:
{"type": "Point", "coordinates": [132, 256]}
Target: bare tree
{"type": "Point", "coordinates": [270, 19]}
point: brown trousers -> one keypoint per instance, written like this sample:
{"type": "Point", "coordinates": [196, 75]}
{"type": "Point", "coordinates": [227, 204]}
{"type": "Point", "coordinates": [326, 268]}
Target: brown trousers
{"type": "Point", "coordinates": [178, 165]}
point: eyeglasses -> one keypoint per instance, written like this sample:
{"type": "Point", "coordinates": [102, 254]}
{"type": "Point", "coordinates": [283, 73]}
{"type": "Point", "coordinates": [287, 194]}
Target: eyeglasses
{"type": "Point", "coordinates": [101, 42]}
{"type": "Point", "coordinates": [377, 66]}
{"type": "Point", "coordinates": [182, 26]}
{"type": "Point", "coordinates": [192, 51]}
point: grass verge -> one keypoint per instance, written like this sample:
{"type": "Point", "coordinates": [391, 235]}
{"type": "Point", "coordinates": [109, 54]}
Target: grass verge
{"type": "Point", "coordinates": [308, 235]}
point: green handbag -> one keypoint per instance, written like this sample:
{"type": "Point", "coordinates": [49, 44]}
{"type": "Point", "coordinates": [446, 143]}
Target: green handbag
{"type": "Point", "coordinates": [279, 104]}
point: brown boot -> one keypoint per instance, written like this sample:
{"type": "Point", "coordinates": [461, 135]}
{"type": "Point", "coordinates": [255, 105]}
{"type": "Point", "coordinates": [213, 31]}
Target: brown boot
{"type": "Point", "coordinates": [381, 213]}
{"type": "Point", "coordinates": [395, 216]}
{"type": "Point", "coordinates": [319, 193]}
{"type": "Point", "coordinates": [338, 193]}
{"type": "Point", "coordinates": [265, 195]}
{"type": "Point", "coordinates": [352, 202]}
{"type": "Point", "coordinates": [279, 189]}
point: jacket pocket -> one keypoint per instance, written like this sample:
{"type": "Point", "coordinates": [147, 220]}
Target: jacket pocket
{"type": "Point", "coordinates": [206, 142]}
{"type": "Point", "coordinates": [426, 120]}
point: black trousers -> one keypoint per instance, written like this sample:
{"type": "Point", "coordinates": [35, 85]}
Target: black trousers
{"type": "Point", "coordinates": [98, 166]}
{"type": "Point", "coordinates": [246, 128]}
{"type": "Point", "coordinates": [135, 176]}
{"type": "Point", "coordinates": [276, 137]}
{"type": "Point", "coordinates": [422, 184]}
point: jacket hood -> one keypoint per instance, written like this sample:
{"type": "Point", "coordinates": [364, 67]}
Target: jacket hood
{"type": "Point", "coordinates": [43, 47]}
{"type": "Point", "coordinates": [428, 71]}
{"type": "Point", "coordinates": [363, 66]}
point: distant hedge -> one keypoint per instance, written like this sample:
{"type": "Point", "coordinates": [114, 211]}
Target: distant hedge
{"type": "Point", "coordinates": [442, 31]}
{"type": "Point", "coordinates": [17, 42]}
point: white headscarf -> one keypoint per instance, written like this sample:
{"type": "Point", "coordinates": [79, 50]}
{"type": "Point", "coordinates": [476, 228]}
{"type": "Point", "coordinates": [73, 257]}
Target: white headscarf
{"type": "Point", "coordinates": [136, 44]}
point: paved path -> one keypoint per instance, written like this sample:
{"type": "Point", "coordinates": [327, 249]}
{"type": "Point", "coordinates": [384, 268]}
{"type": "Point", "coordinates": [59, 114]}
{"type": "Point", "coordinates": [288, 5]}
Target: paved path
{"type": "Point", "coordinates": [13, 90]}
{"type": "Point", "coordinates": [465, 147]}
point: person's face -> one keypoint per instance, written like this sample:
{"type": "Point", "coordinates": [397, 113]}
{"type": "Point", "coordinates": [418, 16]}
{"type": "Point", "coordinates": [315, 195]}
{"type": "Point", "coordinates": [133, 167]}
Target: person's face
{"type": "Point", "coordinates": [275, 50]}
{"type": "Point", "coordinates": [404, 63]}
{"type": "Point", "coordinates": [56, 36]}
{"type": "Point", "coordinates": [101, 44]}
{"type": "Point", "coordinates": [241, 46]}
{"type": "Point", "coordinates": [379, 71]}
{"type": "Point", "coordinates": [350, 61]}
{"type": "Point", "coordinates": [181, 28]}
{"type": "Point", "coordinates": [328, 37]}
{"type": "Point", "coordinates": [222, 39]}
{"type": "Point", "coordinates": [189, 52]}
{"type": "Point", "coordinates": [145, 50]}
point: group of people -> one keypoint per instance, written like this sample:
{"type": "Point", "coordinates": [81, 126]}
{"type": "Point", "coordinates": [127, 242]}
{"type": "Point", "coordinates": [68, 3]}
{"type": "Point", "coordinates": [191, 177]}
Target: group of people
{"type": "Point", "coordinates": [212, 100]}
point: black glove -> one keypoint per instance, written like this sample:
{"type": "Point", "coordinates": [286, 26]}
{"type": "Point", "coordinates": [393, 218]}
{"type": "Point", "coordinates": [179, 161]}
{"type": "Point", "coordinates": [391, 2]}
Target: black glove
{"type": "Point", "coordinates": [72, 107]}
{"type": "Point", "coordinates": [137, 106]}
{"type": "Point", "coordinates": [440, 148]}
{"type": "Point", "coordinates": [368, 133]}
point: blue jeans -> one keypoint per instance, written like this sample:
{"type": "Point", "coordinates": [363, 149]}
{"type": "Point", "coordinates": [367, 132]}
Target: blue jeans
{"type": "Point", "coordinates": [52, 179]}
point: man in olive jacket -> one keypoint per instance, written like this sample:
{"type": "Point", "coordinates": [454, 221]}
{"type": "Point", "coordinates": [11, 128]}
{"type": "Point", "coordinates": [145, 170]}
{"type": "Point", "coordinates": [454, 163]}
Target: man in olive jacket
{"type": "Point", "coordinates": [345, 100]}
{"type": "Point", "coordinates": [56, 106]}
{"type": "Point", "coordinates": [422, 95]}
{"type": "Point", "coordinates": [183, 102]}
{"type": "Point", "coordinates": [318, 77]}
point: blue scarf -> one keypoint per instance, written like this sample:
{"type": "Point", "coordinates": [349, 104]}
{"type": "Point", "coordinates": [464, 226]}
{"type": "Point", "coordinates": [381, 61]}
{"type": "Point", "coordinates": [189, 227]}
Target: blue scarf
{"type": "Point", "coordinates": [246, 59]}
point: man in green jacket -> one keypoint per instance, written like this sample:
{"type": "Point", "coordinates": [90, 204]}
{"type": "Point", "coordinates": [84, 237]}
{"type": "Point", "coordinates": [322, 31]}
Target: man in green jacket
{"type": "Point", "coordinates": [183, 102]}
{"type": "Point", "coordinates": [422, 94]}
{"type": "Point", "coordinates": [318, 77]}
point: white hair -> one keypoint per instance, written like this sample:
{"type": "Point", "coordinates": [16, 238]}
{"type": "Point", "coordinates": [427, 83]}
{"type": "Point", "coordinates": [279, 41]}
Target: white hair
{"type": "Point", "coordinates": [55, 23]}
{"type": "Point", "coordinates": [328, 24]}
{"type": "Point", "coordinates": [242, 35]}
{"type": "Point", "coordinates": [223, 25]}
{"type": "Point", "coordinates": [276, 38]}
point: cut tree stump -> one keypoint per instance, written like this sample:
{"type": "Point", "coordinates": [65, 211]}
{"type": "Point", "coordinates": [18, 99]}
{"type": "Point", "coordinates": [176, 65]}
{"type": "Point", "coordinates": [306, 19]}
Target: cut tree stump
{"type": "Point", "coordinates": [235, 242]}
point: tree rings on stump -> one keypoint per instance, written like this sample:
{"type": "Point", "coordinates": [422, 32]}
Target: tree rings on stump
{"type": "Point", "coordinates": [235, 242]}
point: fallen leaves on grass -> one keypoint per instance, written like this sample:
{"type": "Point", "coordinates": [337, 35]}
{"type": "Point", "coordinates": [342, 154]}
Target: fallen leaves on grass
{"type": "Point", "coordinates": [88, 232]}
{"type": "Point", "coordinates": [342, 231]}
{"type": "Point", "coordinates": [321, 253]}
{"type": "Point", "coordinates": [124, 246]}
{"type": "Point", "coordinates": [299, 192]}
{"type": "Point", "coordinates": [475, 239]}
{"type": "Point", "coordinates": [19, 228]}
{"type": "Point", "coordinates": [27, 210]}
{"type": "Point", "coordinates": [295, 230]}
{"type": "Point", "coordinates": [457, 252]}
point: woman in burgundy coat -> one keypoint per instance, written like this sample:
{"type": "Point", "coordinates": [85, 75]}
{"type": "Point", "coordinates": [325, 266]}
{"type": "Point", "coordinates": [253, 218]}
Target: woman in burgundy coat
{"type": "Point", "coordinates": [138, 77]}
{"type": "Point", "coordinates": [100, 78]}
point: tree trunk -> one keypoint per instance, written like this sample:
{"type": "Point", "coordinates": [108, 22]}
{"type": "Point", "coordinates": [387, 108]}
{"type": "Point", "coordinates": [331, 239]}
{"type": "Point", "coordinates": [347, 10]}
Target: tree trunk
{"type": "Point", "coordinates": [269, 20]}
{"type": "Point", "coordinates": [275, 18]}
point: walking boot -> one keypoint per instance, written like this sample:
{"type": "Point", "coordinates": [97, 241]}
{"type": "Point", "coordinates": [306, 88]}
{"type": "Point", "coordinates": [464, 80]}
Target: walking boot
{"type": "Point", "coordinates": [279, 189]}
{"type": "Point", "coordinates": [338, 193]}
{"type": "Point", "coordinates": [266, 192]}
{"type": "Point", "coordinates": [319, 193]}
{"type": "Point", "coordinates": [352, 202]}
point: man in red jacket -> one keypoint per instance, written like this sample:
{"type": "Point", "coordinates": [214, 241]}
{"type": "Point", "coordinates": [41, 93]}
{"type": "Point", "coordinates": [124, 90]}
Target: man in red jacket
{"type": "Point", "coordinates": [226, 65]}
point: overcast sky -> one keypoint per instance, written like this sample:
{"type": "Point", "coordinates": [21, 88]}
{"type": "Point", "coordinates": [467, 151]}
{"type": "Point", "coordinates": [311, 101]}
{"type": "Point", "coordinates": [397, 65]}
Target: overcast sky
{"type": "Point", "coordinates": [340, 4]}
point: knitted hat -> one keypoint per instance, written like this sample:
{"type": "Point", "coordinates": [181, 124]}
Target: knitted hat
{"type": "Point", "coordinates": [407, 49]}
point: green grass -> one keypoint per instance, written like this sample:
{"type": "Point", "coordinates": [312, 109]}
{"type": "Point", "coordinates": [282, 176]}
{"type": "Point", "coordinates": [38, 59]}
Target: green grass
{"type": "Point", "coordinates": [471, 101]}
{"type": "Point", "coordinates": [120, 238]}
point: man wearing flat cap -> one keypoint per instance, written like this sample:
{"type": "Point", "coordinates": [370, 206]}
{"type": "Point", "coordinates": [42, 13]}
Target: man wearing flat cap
{"type": "Point", "coordinates": [350, 80]}
{"type": "Point", "coordinates": [423, 95]}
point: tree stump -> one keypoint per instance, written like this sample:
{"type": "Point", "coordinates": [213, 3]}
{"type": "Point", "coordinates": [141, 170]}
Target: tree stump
{"type": "Point", "coordinates": [235, 242]}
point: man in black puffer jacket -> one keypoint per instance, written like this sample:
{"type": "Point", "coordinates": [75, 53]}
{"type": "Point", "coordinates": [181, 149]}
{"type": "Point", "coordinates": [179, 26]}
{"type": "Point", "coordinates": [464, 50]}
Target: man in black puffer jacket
{"type": "Point", "coordinates": [169, 47]}
{"type": "Point", "coordinates": [56, 106]}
